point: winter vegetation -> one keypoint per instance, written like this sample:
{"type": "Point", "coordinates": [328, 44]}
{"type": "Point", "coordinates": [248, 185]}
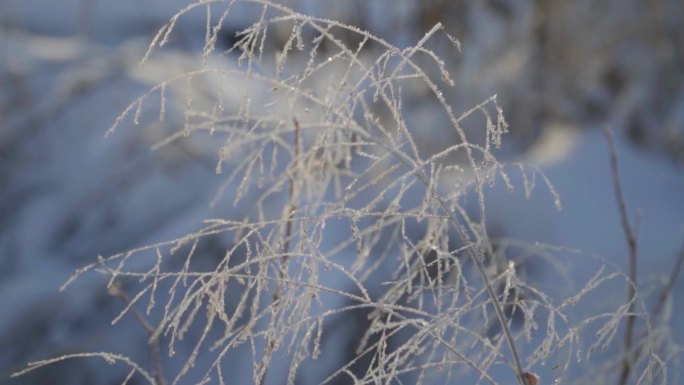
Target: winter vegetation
{"type": "Point", "coordinates": [298, 196]}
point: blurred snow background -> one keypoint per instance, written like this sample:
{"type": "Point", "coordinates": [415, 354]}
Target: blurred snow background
{"type": "Point", "coordinates": [561, 70]}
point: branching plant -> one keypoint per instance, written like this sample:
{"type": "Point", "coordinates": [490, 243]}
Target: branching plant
{"type": "Point", "coordinates": [349, 224]}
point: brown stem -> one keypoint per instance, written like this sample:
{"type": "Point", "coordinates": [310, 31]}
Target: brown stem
{"type": "Point", "coordinates": [292, 200]}
{"type": "Point", "coordinates": [155, 352]}
{"type": "Point", "coordinates": [670, 283]}
{"type": "Point", "coordinates": [292, 207]}
{"type": "Point", "coordinates": [631, 239]}
{"type": "Point", "coordinates": [522, 378]}
{"type": "Point", "coordinates": [660, 302]}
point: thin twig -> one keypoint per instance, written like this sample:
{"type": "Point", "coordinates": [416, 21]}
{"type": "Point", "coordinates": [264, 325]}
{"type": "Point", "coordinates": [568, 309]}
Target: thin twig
{"type": "Point", "coordinates": [155, 352]}
{"type": "Point", "coordinates": [291, 209]}
{"type": "Point", "coordinates": [660, 302]}
{"type": "Point", "coordinates": [631, 239]}
{"type": "Point", "coordinates": [477, 260]}
{"type": "Point", "coordinates": [667, 290]}
{"type": "Point", "coordinates": [292, 198]}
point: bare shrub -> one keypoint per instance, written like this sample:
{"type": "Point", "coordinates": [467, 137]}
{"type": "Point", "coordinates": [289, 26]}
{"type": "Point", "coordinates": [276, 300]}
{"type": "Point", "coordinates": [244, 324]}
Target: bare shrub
{"type": "Point", "coordinates": [342, 212]}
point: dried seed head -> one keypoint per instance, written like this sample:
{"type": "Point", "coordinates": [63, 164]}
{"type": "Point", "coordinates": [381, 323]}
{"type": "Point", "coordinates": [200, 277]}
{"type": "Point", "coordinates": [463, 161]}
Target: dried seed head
{"type": "Point", "coordinates": [530, 378]}
{"type": "Point", "coordinates": [114, 289]}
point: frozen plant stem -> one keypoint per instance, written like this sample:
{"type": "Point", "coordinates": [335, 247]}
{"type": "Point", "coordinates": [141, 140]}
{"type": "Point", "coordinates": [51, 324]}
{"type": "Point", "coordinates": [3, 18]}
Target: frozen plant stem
{"type": "Point", "coordinates": [670, 283]}
{"type": "Point", "coordinates": [477, 260]}
{"type": "Point", "coordinates": [155, 352]}
{"type": "Point", "coordinates": [631, 239]}
{"type": "Point", "coordinates": [660, 302]}
{"type": "Point", "coordinates": [291, 208]}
